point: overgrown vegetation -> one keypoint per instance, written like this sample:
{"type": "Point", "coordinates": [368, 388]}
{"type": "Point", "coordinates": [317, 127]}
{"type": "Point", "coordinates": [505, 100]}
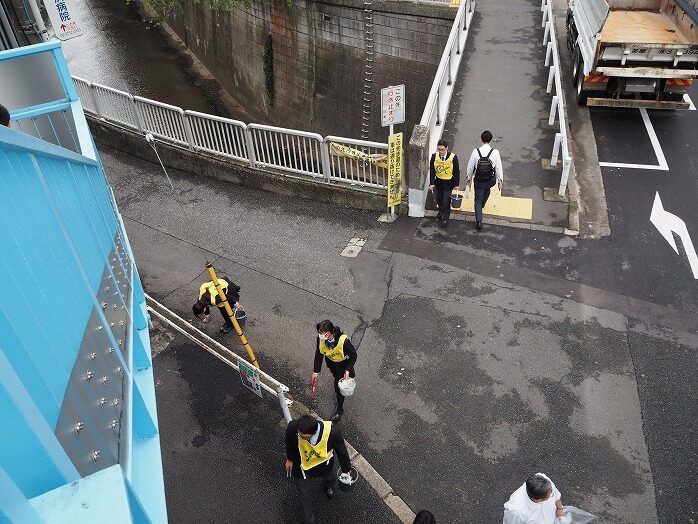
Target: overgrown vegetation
{"type": "Point", "coordinates": [163, 8]}
{"type": "Point", "coordinates": [268, 65]}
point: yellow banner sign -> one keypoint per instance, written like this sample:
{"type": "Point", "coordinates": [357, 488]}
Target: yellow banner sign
{"type": "Point", "coordinates": [394, 169]}
{"type": "Point", "coordinates": [377, 159]}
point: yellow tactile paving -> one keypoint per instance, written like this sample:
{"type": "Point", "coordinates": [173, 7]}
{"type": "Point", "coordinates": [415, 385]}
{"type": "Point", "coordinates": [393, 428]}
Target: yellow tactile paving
{"type": "Point", "coordinates": [498, 205]}
{"type": "Point", "coordinates": [454, 3]}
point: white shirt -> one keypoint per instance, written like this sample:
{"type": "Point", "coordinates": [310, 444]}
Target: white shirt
{"type": "Point", "coordinates": [496, 159]}
{"type": "Point", "coordinates": [520, 509]}
{"type": "Point", "coordinates": [314, 439]}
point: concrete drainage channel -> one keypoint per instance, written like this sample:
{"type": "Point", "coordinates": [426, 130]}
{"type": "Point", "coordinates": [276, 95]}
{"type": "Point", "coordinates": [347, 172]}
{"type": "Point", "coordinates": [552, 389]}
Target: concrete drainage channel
{"type": "Point", "coordinates": [289, 407]}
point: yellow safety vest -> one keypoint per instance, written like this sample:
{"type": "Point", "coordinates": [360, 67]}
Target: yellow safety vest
{"type": "Point", "coordinates": [335, 354]}
{"type": "Point", "coordinates": [311, 455]}
{"type": "Point", "coordinates": [210, 287]}
{"type": "Point", "coordinates": [444, 168]}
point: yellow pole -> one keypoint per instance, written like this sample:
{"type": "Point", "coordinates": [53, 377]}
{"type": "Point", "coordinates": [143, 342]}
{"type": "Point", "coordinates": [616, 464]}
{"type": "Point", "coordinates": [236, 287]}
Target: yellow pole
{"type": "Point", "coordinates": [231, 315]}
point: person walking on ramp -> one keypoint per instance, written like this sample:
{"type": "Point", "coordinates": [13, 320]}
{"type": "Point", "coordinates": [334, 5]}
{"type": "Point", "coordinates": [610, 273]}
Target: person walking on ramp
{"type": "Point", "coordinates": [485, 166]}
{"type": "Point", "coordinates": [444, 175]}
{"type": "Point", "coordinates": [340, 357]}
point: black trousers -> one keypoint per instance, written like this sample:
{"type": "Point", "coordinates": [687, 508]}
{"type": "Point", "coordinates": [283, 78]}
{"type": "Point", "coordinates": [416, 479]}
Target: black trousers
{"type": "Point", "coordinates": [338, 371]}
{"type": "Point", "coordinates": [225, 316]}
{"type": "Point", "coordinates": [443, 197]}
{"type": "Point", "coordinates": [305, 491]}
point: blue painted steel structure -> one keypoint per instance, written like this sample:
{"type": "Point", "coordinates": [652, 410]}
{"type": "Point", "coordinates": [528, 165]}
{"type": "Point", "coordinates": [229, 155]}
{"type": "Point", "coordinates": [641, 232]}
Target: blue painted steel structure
{"type": "Point", "coordinates": [79, 435]}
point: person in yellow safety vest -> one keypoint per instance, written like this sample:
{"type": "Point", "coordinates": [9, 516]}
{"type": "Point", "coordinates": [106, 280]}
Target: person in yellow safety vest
{"type": "Point", "coordinates": [311, 446]}
{"type": "Point", "coordinates": [208, 295]}
{"type": "Point", "coordinates": [340, 357]}
{"type": "Point", "coordinates": [444, 175]}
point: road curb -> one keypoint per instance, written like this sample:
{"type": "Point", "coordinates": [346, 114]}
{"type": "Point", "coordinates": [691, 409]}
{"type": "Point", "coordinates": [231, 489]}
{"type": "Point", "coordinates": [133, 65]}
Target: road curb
{"type": "Point", "coordinates": [508, 223]}
{"type": "Point", "coordinates": [384, 490]}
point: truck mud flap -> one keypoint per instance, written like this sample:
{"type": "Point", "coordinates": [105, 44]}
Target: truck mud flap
{"type": "Point", "coordinates": [651, 104]}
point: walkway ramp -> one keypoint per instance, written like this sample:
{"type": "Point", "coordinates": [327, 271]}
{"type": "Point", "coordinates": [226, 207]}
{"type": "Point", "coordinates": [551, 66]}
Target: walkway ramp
{"type": "Point", "coordinates": [501, 87]}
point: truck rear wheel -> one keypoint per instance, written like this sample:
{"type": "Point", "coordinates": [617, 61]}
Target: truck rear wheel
{"type": "Point", "coordinates": [581, 94]}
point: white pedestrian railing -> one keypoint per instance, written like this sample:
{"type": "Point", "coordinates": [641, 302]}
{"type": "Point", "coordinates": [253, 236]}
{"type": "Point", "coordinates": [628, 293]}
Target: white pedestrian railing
{"type": "Point", "coordinates": [260, 146]}
{"type": "Point", "coordinates": [163, 121]}
{"type": "Point", "coordinates": [218, 135]}
{"type": "Point", "coordinates": [115, 106]}
{"type": "Point", "coordinates": [436, 108]}
{"type": "Point", "coordinates": [288, 150]}
{"type": "Point", "coordinates": [371, 171]}
{"type": "Point", "coordinates": [558, 103]}
{"type": "Point", "coordinates": [218, 350]}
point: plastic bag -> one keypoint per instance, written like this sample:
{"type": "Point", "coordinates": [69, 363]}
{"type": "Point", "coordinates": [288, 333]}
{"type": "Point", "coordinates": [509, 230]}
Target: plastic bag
{"type": "Point", "coordinates": [575, 516]}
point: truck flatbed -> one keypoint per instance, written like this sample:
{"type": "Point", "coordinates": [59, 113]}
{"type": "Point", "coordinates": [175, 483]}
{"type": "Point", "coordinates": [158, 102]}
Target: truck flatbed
{"type": "Point", "coordinates": [642, 27]}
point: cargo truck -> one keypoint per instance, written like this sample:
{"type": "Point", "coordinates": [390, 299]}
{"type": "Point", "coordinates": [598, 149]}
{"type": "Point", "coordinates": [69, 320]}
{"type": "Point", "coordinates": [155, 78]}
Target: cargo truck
{"type": "Point", "coordinates": [633, 53]}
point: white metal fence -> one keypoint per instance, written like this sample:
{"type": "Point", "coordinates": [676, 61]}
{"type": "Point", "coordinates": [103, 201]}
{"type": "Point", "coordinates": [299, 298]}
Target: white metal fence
{"type": "Point", "coordinates": [439, 99]}
{"type": "Point", "coordinates": [558, 103]}
{"type": "Point", "coordinates": [356, 162]}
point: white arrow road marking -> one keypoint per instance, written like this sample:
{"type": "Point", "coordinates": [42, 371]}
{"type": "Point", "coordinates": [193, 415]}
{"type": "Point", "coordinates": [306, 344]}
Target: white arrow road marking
{"type": "Point", "coordinates": [668, 224]}
{"type": "Point", "coordinates": [687, 98]}
{"type": "Point", "coordinates": [661, 159]}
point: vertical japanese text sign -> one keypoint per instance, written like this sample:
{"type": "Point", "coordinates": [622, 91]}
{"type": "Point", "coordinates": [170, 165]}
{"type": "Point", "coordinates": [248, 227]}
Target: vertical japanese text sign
{"type": "Point", "coordinates": [250, 378]}
{"type": "Point", "coordinates": [394, 169]}
{"type": "Point", "coordinates": [392, 105]}
{"type": "Point", "coordinates": [64, 18]}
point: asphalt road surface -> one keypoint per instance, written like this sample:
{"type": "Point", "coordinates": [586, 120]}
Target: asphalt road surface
{"type": "Point", "coordinates": [483, 357]}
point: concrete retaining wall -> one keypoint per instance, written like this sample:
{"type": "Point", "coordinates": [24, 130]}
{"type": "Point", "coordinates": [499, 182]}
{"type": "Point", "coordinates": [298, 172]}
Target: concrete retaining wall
{"type": "Point", "coordinates": [318, 50]}
{"type": "Point", "coordinates": [210, 166]}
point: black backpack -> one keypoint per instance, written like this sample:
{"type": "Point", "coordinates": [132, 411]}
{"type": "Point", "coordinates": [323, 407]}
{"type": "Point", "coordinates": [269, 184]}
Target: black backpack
{"type": "Point", "coordinates": [484, 170]}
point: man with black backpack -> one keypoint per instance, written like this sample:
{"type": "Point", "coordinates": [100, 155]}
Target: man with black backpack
{"type": "Point", "coordinates": [485, 166]}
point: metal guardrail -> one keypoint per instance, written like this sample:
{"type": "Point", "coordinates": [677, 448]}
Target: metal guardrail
{"type": "Point", "coordinates": [557, 106]}
{"type": "Point", "coordinates": [439, 99]}
{"type": "Point", "coordinates": [260, 146]}
{"type": "Point", "coordinates": [218, 350]}
{"type": "Point", "coordinates": [366, 173]}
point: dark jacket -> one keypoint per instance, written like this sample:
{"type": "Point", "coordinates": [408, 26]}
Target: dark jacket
{"type": "Point", "coordinates": [432, 171]}
{"type": "Point", "coordinates": [336, 443]}
{"type": "Point", "coordinates": [349, 356]}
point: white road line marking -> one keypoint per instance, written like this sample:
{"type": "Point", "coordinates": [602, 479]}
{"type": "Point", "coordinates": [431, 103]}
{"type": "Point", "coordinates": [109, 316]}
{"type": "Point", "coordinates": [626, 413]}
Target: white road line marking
{"type": "Point", "coordinates": [669, 224]}
{"type": "Point", "coordinates": [653, 138]}
{"type": "Point", "coordinates": [687, 98]}
{"type": "Point", "coordinates": [661, 159]}
{"type": "Point", "coordinates": [633, 166]}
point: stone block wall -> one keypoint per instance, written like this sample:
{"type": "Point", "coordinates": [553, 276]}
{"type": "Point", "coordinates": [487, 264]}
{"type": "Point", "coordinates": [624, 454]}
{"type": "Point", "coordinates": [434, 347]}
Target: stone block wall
{"type": "Point", "coordinates": [319, 52]}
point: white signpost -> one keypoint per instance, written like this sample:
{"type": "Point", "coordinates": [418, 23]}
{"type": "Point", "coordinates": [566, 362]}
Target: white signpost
{"type": "Point", "coordinates": [64, 18]}
{"type": "Point", "coordinates": [392, 106]}
{"type": "Point", "coordinates": [393, 112]}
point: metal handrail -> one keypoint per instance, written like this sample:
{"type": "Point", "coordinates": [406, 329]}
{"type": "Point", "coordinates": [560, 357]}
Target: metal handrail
{"type": "Point", "coordinates": [557, 106]}
{"type": "Point", "coordinates": [163, 120]}
{"type": "Point", "coordinates": [441, 91]}
{"type": "Point", "coordinates": [460, 24]}
{"type": "Point", "coordinates": [218, 350]}
{"type": "Point", "coordinates": [290, 150]}
{"type": "Point", "coordinates": [347, 170]}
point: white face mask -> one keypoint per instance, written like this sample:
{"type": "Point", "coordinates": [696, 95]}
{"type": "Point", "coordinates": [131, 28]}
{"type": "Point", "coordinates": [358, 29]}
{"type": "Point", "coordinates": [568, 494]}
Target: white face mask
{"type": "Point", "coordinates": [321, 337]}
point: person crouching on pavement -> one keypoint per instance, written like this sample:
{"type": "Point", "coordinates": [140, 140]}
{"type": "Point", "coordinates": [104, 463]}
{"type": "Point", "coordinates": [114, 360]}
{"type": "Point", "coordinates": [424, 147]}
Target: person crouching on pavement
{"type": "Point", "coordinates": [208, 295]}
{"type": "Point", "coordinates": [311, 445]}
{"type": "Point", "coordinates": [340, 356]}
